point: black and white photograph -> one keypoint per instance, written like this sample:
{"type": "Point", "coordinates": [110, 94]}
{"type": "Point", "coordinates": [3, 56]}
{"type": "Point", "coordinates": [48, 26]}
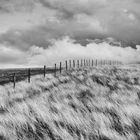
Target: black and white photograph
{"type": "Point", "coordinates": [69, 69]}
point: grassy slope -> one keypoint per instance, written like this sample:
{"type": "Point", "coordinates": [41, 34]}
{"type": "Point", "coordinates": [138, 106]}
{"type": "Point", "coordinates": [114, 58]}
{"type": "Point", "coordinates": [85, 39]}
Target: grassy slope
{"type": "Point", "coordinates": [97, 104]}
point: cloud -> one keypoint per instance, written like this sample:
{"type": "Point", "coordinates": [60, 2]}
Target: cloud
{"type": "Point", "coordinates": [80, 19]}
{"type": "Point", "coordinates": [66, 49]}
{"type": "Point", "coordinates": [9, 6]}
{"type": "Point", "coordinates": [40, 35]}
{"type": "Point", "coordinates": [113, 21]}
{"type": "Point", "coordinates": [25, 24]}
{"type": "Point", "coordinates": [67, 9]}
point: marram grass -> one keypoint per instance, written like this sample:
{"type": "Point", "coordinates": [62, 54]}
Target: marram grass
{"type": "Point", "coordinates": [89, 104]}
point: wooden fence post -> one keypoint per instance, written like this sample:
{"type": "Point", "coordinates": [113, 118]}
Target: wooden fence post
{"type": "Point", "coordinates": [44, 70]}
{"type": "Point", "coordinates": [60, 67]}
{"type": "Point", "coordinates": [92, 63]}
{"type": "Point", "coordinates": [29, 75]}
{"type": "Point", "coordinates": [66, 65]}
{"type": "Point", "coordinates": [55, 70]}
{"type": "Point", "coordinates": [73, 63]}
{"type": "Point", "coordinates": [87, 63]}
{"type": "Point", "coordinates": [78, 64]}
{"type": "Point", "coordinates": [96, 62]}
{"type": "Point", "coordinates": [14, 80]}
{"type": "Point", "coordinates": [84, 62]}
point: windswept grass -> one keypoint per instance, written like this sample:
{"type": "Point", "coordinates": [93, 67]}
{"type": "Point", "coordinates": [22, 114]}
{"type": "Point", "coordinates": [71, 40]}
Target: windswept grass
{"type": "Point", "coordinates": [102, 103]}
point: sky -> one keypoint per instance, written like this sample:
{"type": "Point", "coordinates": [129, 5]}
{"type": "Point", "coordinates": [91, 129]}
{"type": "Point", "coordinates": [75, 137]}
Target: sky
{"type": "Point", "coordinates": [30, 30]}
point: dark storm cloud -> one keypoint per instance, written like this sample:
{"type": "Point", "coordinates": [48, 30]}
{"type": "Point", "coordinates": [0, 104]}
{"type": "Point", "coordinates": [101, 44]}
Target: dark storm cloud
{"type": "Point", "coordinates": [3, 10]}
{"type": "Point", "coordinates": [42, 35]}
{"type": "Point", "coordinates": [8, 6]}
{"type": "Point", "coordinates": [82, 20]}
{"type": "Point", "coordinates": [47, 22]}
{"type": "Point", "coordinates": [23, 40]}
{"type": "Point", "coordinates": [68, 9]}
{"type": "Point", "coordinates": [119, 18]}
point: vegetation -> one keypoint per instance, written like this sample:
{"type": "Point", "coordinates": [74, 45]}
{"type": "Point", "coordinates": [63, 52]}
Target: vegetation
{"type": "Point", "coordinates": [101, 103]}
{"type": "Point", "coordinates": [6, 75]}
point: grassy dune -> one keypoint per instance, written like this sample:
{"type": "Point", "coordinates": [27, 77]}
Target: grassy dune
{"type": "Point", "coordinates": [91, 104]}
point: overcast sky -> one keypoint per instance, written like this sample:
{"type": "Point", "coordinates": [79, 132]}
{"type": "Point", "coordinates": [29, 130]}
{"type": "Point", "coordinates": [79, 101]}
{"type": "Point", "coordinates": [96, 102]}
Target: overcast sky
{"type": "Point", "coordinates": [28, 24]}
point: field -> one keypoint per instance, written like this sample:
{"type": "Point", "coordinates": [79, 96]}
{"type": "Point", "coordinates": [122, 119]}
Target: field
{"type": "Point", "coordinates": [102, 103]}
{"type": "Point", "coordinates": [6, 75]}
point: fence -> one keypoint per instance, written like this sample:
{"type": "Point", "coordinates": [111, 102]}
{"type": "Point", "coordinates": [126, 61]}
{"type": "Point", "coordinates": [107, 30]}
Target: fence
{"type": "Point", "coordinates": [71, 64]}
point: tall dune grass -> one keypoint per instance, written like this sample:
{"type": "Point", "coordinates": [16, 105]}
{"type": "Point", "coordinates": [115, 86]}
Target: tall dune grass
{"type": "Point", "coordinates": [88, 104]}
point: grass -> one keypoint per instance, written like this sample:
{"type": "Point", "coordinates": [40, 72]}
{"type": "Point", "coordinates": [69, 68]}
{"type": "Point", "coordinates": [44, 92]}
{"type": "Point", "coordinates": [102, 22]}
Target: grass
{"type": "Point", "coordinates": [102, 103]}
{"type": "Point", "coordinates": [6, 75]}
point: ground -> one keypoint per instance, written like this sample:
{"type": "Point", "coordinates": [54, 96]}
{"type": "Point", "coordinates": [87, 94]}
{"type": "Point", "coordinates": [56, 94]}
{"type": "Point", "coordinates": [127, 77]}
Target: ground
{"type": "Point", "coordinates": [100, 103]}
